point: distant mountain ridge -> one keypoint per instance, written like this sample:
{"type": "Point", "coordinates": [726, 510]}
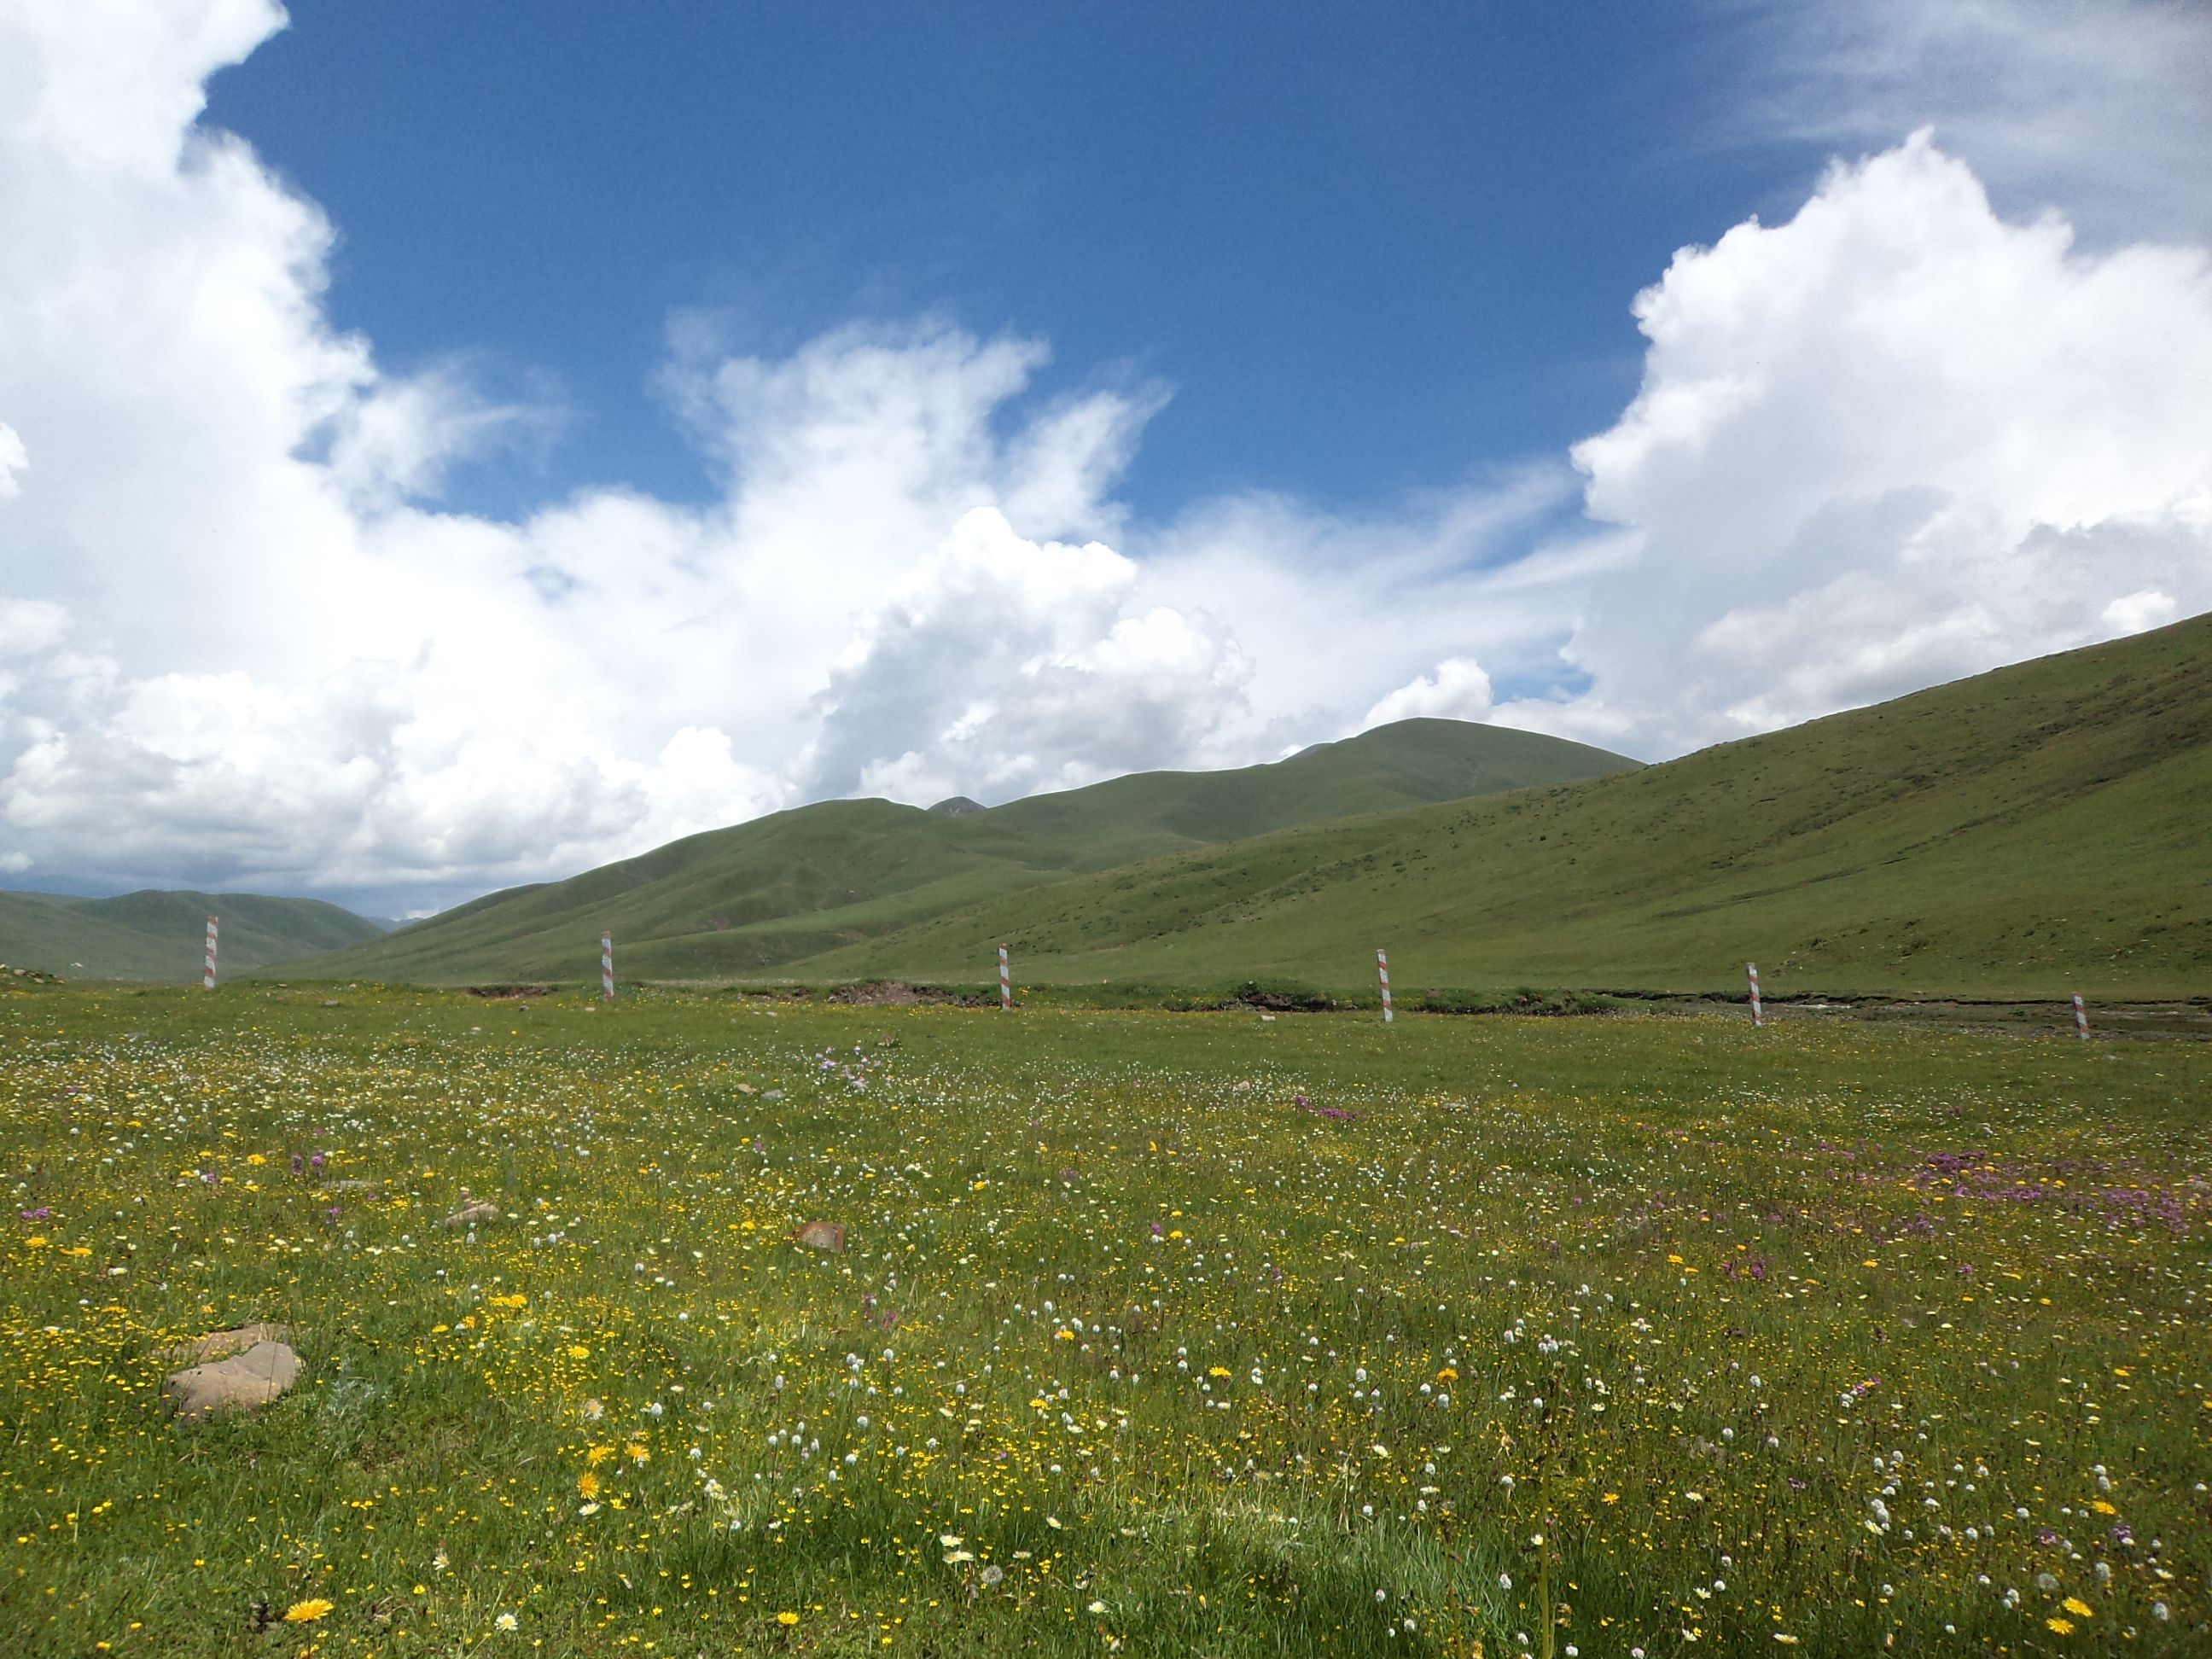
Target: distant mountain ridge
{"type": "Point", "coordinates": [757, 896]}
{"type": "Point", "coordinates": [2029, 832]}
{"type": "Point", "coordinates": [160, 935]}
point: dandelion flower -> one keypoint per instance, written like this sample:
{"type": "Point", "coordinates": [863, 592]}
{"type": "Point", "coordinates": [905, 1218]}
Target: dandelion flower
{"type": "Point", "coordinates": [2077, 1606]}
{"type": "Point", "coordinates": [786, 1619]}
{"type": "Point", "coordinates": [306, 1613]}
{"type": "Point", "coordinates": [587, 1484]}
{"type": "Point", "coordinates": [2063, 1627]}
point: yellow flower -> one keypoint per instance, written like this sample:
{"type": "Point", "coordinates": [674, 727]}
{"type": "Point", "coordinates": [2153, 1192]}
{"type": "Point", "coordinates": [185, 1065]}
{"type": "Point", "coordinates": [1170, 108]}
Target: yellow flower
{"type": "Point", "coordinates": [255, 1159]}
{"type": "Point", "coordinates": [2077, 1606]}
{"type": "Point", "coordinates": [638, 1453]}
{"type": "Point", "coordinates": [2103, 1508]}
{"type": "Point", "coordinates": [578, 1350]}
{"type": "Point", "coordinates": [1216, 1370]}
{"type": "Point", "coordinates": [306, 1613]}
{"type": "Point", "coordinates": [589, 1484]}
{"type": "Point", "coordinates": [597, 1455]}
{"type": "Point", "coordinates": [2063, 1627]}
{"type": "Point", "coordinates": [1447, 1375]}
{"type": "Point", "coordinates": [518, 1300]}
{"type": "Point", "coordinates": [1613, 1498]}
{"type": "Point", "coordinates": [786, 1619]}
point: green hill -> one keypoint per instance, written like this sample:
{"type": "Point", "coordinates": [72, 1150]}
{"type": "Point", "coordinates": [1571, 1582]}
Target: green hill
{"type": "Point", "coordinates": [2027, 832]}
{"type": "Point", "coordinates": [153, 935]}
{"type": "Point", "coordinates": [756, 897]}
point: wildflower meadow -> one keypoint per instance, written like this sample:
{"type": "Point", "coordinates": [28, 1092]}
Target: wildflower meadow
{"type": "Point", "coordinates": [1145, 1332]}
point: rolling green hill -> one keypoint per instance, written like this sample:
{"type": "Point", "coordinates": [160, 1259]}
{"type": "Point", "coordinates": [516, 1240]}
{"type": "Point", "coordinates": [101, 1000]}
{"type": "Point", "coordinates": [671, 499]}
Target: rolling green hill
{"type": "Point", "coordinates": [153, 935]}
{"type": "Point", "coordinates": [2027, 832]}
{"type": "Point", "coordinates": [752, 899]}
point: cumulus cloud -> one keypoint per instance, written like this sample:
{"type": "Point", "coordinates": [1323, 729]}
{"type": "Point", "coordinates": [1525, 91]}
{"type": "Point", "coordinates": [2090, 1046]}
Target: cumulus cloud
{"type": "Point", "coordinates": [1895, 440]}
{"type": "Point", "coordinates": [1457, 691]}
{"type": "Point", "coordinates": [1000, 666]}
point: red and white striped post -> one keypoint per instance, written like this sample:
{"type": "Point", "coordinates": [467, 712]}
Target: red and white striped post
{"type": "Point", "coordinates": [1005, 983]}
{"type": "Point", "coordinates": [2081, 1018]}
{"type": "Point", "coordinates": [1382, 969]}
{"type": "Point", "coordinates": [1757, 1014]}
{"type": "Point", "coordinates": [606, 967]}
{"type": "Point", "coordinates": [207, 977]}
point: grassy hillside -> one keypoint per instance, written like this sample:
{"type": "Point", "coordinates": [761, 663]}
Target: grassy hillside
{"type": "Point", "coordinates": [2029, 832]}
{"type": "Point", "coordinates": [160, 935]}
{"type": "Point", "coordinates": [755, 897]}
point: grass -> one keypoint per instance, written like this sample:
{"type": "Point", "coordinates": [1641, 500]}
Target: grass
{"type": "Point", "coordinates": [794, 884]}
{"type": "Point", "coordinates": [153, 935]}
{"type": "Point", "coordinates": [1189, 1333]}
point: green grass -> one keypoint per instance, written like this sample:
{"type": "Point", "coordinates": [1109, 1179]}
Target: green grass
{"type": "Point", "coordinates": [794, 884]}
{"type": "Point", "coordinates": [2031, 832]}
{"type": "Point", "coordinates": [1704, 1294]}
{"type": "Point", "coordinates": [153, 935]}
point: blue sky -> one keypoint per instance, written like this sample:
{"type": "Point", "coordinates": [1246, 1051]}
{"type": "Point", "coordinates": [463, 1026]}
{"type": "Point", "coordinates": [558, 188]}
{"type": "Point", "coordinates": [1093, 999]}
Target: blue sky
{"type": "Point", "coordinates": [1372, 248]}
{"type": "Point", "coordinates": [449, 446]}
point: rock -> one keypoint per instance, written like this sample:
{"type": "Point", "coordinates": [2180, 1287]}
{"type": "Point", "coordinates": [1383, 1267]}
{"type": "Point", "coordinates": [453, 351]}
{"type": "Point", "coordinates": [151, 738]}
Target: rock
{"type": "Point", "coordinates": [822, 1236]}
{"type": "Point", "coordinates": [243, 1383]}
{"type": "Point", "coordinates": [220, 1344]}
{"type": "Point", "coordinates": [468, 1214]}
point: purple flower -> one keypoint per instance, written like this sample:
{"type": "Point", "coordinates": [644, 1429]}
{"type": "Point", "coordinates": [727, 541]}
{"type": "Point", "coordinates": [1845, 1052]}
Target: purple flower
{"type": "Point", "coordinates": [39, 1214]}
{"type": "Point", "coordinates": [2045, 1536]}
{"type": "Point", "coordinates": [317, 1161]}
{"type": "Point", "coordinates": [1157, 1229]}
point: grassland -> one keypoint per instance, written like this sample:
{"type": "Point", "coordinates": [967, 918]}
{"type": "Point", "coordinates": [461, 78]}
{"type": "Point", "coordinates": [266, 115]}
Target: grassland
{"type": "Point", "coordinates": [159, 935]}
{"type": "Point", "coordinates": [1154, 1333]}
{"type": "Point", "coordinates": [2028, 833]}
{"type": "Point", "coordinates": [753, 897]}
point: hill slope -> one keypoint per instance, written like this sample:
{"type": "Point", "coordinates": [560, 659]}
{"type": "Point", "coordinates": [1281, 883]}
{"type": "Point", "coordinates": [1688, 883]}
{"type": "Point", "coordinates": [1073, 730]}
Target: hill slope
{"type": "Point", "coordinates": [2029, 832]}
{"type": "Point", "coordinates": [752, 898]}
{"type": "Point", "coordinates": [153, 935]}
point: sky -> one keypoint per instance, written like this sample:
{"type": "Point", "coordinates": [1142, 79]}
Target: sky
{"type": "Point", "coordinates": [442, 447]}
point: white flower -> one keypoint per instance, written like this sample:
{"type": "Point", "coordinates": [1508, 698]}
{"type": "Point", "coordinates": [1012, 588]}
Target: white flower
{"type": "Point", "coordinates": [505, 1621]}
{"type": "Point", "coordinates": [1097, 1606]}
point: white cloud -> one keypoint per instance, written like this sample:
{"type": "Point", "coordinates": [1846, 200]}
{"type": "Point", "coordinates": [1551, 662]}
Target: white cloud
{"type": "Point", "coordinates": [1895, 440]}
{"type": "Point", "coordinates": [2103, 109]}
{"type": "Point", "coordinates": [1457, 691]}
{"type": "Point", "coordinates": [1000, 666]}
{"type": "Point", "coordinates": [2132, 613]}
{"type": "Point", "coordinates": [13, 458]}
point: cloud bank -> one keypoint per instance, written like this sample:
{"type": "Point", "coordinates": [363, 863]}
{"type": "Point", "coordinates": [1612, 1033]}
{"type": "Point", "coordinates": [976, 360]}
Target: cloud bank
{"type": "Point", "coordinates": [1897, 437]}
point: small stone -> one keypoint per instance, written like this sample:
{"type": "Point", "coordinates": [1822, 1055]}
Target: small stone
{"type": "Point", "coordinates": [470, 1213]}
{"type": "Point", "coordinates": [243, 1383]}
{"type": "Point", "coordinates": [822, 1236]}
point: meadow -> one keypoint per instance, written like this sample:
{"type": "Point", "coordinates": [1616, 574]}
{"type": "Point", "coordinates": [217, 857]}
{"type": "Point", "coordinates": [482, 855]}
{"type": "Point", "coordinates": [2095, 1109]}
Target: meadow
{"type": "Point", "coordinates": [1152, 1332]}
